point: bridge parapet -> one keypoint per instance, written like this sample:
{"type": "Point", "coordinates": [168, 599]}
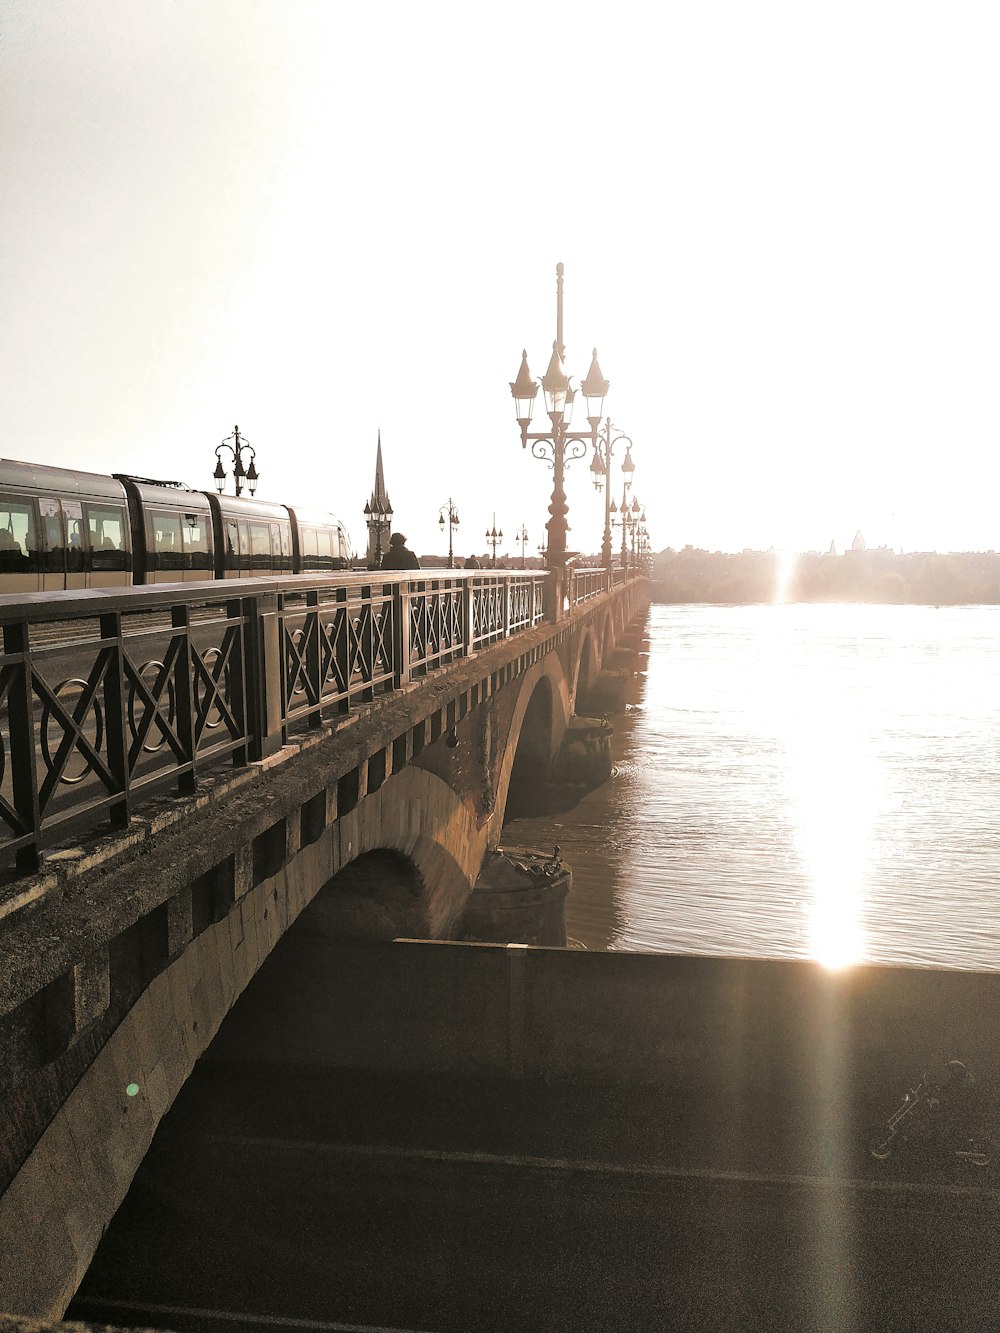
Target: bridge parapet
{"type": "Point", "coordinates": [108, 699]}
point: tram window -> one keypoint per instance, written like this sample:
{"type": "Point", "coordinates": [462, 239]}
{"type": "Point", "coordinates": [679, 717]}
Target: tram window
{"type": "Point", "coordinates": [165, 543]}
{"type": "Point", "coordinates": [260, 547]}
{"type": "Point", "coordinates": [53, 547]}
{"type": "Point", "coordinates": [196, 550]}
{"type": "Point", "coordinates": [107, 537]}
{"type": "Point", "coordinates": [232, 545]}
{"type": "Point", "coordinates": [18, 539]}
{"type": "Point", "coordinates": [76, 557]}
{"type": "Point", "coordinates": [309, 551]}
{"type": "Point", "coordinates": [317, 552]}
{"type": "Point", "coordinates": [281, 546]}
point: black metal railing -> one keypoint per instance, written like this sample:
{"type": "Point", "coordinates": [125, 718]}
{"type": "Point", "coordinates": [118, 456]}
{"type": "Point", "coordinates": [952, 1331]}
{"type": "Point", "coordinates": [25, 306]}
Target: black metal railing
{"type": "Point", "coordinates": [588, 583]}
{"type": "Point", "coordinates": [108, 698]}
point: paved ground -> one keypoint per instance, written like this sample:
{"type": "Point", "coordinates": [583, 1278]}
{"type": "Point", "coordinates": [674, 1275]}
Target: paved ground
{"type": "Point", "coordinates": [316, 1200]}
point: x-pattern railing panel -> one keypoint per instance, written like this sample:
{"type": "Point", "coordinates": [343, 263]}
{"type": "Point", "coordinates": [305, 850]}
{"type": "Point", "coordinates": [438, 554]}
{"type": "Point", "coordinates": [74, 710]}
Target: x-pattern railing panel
{"type": "Point", "coordinates": [336, 648]}
{"type": "Point", "coordinates": [488, 606]}
{"type": "Point", "coordinates": [437, 623]}
{"type": "Point", "coordinates": [521, 607]}
{"type": "Point", "coordinates": [96, 713]}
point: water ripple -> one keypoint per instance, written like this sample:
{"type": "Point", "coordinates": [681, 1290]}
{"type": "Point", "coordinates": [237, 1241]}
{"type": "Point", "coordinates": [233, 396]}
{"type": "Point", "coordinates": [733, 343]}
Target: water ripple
{"type": "Point", "coordinates": [799, 782]}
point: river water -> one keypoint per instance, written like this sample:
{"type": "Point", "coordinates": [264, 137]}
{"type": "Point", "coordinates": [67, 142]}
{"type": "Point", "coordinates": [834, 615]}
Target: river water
{"type": "Point", "coordinates": [814, 781]}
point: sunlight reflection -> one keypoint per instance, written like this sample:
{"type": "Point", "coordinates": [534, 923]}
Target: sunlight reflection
{"type": "Point", "coordinates": [834, 784]}
{"type": "Point", "coordinates": [835, 788]}
{"type": "Point", "coordinates": [783, 575]}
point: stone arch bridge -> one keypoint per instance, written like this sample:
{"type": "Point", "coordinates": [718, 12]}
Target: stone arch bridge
{"type": "Point", "coordinates": [185, 770]}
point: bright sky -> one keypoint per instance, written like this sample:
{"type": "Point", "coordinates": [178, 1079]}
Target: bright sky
{"type": "Point", "coordinates": [780, 224]}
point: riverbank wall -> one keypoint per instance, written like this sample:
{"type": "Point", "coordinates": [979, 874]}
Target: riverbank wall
{"type": "Point", "coordinates": [767, 1064]}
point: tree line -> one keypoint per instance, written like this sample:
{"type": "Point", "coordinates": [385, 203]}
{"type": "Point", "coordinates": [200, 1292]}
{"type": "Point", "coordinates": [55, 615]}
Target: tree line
{"type": "Point", "coordinates": [918, 577]}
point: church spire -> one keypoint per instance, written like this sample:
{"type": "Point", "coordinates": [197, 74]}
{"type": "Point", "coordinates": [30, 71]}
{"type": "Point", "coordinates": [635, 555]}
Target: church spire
{"type": "Point", "coordinates": [378, 514]}
{"type": "Point", "coordinates": [380, 496]}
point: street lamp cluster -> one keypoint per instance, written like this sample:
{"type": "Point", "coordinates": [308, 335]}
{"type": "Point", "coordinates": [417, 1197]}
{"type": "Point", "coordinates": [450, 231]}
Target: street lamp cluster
{"type": "Point", "coordinates": [449, 514]}
{"type": "Point", "coordinates": [494, 538]}
{"type": "Point", "coordinates": [378, 516]}
{"type": "Point", "coordinates": [559, 445]}
{"type": "Point", "coordinates": [607, 438]}
{"type": "Point", "coordinates": [521, 537]}
{"type": "Point", "coordinates": [632, 521]}
{"type": "Point", "coordinates": [241, 475]}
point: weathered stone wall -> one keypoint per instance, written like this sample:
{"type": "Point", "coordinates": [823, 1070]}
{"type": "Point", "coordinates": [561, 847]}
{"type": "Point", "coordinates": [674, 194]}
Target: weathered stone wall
{"type": "Point", "coordinates": [55, 1209]}
{"type": "Point", "coordinates": [783, 1058]}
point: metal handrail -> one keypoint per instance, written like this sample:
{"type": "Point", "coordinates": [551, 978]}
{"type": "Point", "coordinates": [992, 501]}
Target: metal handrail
{"type": "Point", "coordinates": [107, 697]}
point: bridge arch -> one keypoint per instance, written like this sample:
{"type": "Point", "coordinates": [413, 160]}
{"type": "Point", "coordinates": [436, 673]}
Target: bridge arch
{"type": "Point", "coordinates": [607, 640]}
{"type": "Point", "coordinates": [541, 716]}
{"type": "Point", "coordinates": [587, 667]}
{"type": "Point", "coordinates": [379, 895]}
{"type": "Point", "coordinates": [430, 839]}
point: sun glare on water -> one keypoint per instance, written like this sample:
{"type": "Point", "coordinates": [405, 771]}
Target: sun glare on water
{"type": "Point", "coordinates": [834, 790]}
{"type": "Point", "coordinates": [834, 787]}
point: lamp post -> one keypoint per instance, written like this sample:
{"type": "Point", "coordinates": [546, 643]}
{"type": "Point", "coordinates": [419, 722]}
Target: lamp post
{"type": "Point", "coordinates": [628, 519]}
{"type": "Point", "coordinates": [634, 516]}
{"type": "Point", "coordinates": [241, 475]}
{"type": "Point", "coordinates": [522, 536]}
{"type": "Point", "coordinates": [494, 538]}
{"type": "Point", "coordinates": [601, 468]}
{"type": "Point", "coordinates": [379, 517]}
{"type": "Point", "coordinates": [448, 513]}
{"type": "Point", "coordinates": [558, 445]}
{"type": "Point", "coordinates": [628, 467]}
{"type": "Point", "coordinates": [637, 521]}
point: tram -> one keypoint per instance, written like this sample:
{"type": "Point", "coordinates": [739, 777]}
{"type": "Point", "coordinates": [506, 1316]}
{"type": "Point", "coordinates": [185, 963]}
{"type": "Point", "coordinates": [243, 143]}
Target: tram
{"type": "Point", "coordinates": [61, 529]}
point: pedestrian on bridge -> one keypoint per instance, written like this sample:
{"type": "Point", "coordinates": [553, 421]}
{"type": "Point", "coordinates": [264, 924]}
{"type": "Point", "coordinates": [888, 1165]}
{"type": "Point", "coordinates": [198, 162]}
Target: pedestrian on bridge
{"type": "Point", "coordinates": [399, 555]}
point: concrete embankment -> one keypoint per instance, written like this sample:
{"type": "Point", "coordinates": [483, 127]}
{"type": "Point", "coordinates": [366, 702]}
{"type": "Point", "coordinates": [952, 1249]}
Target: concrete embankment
{"type": "Point", "coordinates": [445, 1136]}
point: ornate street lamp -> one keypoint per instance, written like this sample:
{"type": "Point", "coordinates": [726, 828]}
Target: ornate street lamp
{"type": "Point", "coordinates": [628, 467]}
{"type": "Point", "coordinates": [448, 513]}
{"type": "Point", "coordinates": [494, 538]}
{"type": "Point", "coordinates": [635, 516]}
{"type": "Point", "coordinates": [551, 445]}
{"type": "Point", "coordinates": [644, 556]}
{"type": "Point", "coordinates": [522, 536]}
{"type": "Point", "coordinates": [628, 520]}
{"type": "Point", "coordinates": [601, 468]}
{"type": "Point", "coordinates": [378, 516]}
{"type": "Point", "coordinates": [638, 519]}
{"type": "Point", "coordinates": [241, 475]}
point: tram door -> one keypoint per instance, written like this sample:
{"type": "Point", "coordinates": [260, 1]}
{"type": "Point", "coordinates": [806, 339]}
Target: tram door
{"type": "Point", "coordinates": [20, 558]}
{"type": "Point", "coordinates": [64, 555]}
{"type": "Point", "coordinates": [77, 561]}
{"type": "Point", "coordinates": [281, 548]}
{"type": "Point", "coordinates": [237, 549]}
